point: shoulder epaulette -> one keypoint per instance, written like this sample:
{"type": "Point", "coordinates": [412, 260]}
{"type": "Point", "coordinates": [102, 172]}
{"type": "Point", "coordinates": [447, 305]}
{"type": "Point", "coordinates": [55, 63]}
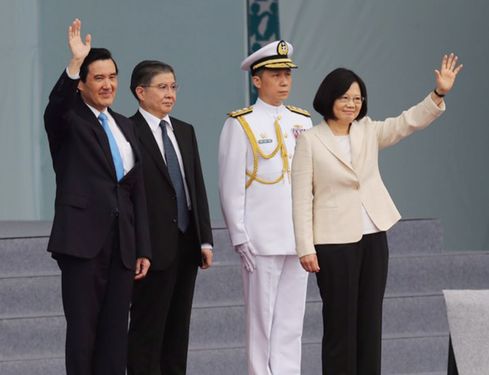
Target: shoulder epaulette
{"type": "Point", "coordinates": [240, 112]}
{"type": "Point", "coordinates": [298, 110]}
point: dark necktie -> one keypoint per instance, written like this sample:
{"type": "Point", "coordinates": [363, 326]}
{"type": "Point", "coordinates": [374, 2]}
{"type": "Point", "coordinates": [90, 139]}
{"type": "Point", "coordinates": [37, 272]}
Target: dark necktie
{"type": "Point", "coordinates": [114, 150]}
{"type": "Point", "coordinates": [176, 178]}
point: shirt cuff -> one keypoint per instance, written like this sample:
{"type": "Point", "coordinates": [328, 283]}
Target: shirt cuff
{"type": "Point", "coordinates": [434, 106]}
{"type": "Point", "coordinates": [72, 76]}
{"type": "Point", "coordinates": [206, 246]}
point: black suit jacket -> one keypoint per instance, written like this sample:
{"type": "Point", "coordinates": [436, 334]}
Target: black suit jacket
{"type": "Point", "coordinates": [88, 197]}
{"type": "Point", "coordinates": [160, 195]}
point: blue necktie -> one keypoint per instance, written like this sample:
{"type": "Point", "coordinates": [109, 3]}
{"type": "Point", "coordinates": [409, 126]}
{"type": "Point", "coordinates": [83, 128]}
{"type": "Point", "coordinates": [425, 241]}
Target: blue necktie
{"type": "Point", "coordinates": [114, 150]}
{"type": "Point", "coordinates": [176, 178]}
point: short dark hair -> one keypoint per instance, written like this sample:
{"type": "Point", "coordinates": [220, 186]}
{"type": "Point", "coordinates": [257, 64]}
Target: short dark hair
{"type": "Point", "coordinates": [143, 73]}
{"type": "Point", "coordinates": [95, 54]}
{"type": "Point", "coordinates": [258, 72]}
{"type": "Point", "coordinates": [334, 85]}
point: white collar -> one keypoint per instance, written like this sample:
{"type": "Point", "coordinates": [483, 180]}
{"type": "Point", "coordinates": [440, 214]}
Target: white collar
{"type": "Point", "coordinates": [273, 109]}
{"type": "Point", "coordinates": [153, 121]}
{"type": "Point", "coordinates": [96, 112]}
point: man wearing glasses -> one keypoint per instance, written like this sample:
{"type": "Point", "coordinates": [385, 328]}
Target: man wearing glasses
{"type": "Point", "coordinates": [179, 224]}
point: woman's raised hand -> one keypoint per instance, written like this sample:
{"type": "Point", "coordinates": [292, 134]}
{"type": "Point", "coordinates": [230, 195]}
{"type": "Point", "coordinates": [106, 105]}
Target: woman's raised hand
{"type": "Point", "coordinates": [445, 77]}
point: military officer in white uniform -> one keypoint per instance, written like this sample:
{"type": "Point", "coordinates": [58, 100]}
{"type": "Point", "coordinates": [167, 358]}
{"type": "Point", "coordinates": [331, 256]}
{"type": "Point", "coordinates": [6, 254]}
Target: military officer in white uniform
{"type": "Point", "coordinates": [255, 154]}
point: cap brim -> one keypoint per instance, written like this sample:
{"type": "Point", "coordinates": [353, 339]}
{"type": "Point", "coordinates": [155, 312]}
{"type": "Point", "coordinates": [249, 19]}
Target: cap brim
{"type": "Point", "coordinates": [275, 63]}
{"type": "Point", "coordinates": [285, 65]}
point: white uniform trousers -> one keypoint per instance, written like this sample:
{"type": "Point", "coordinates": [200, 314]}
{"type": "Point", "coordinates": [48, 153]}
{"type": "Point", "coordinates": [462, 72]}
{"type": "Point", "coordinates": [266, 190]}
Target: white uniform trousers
{"type": "Point", "coordinates": [275, 300]}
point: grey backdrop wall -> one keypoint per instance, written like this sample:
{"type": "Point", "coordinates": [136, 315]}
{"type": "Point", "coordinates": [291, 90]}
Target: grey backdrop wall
{"type": "Point", "coordinates": [203, 40]}
{"type": "Point", "coordinates": [20, 97]}
{"type": "Point", "coordinates": [394, 45]}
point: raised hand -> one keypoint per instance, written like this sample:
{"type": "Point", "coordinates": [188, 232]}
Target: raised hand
{"type": "Point", "coordinates": [445, 77]}
{"type": "Point", "coordinates": [79, 48]}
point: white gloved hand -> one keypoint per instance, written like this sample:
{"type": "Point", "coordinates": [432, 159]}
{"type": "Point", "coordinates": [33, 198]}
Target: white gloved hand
{"type": "Point", "coordinates": [245, 252]}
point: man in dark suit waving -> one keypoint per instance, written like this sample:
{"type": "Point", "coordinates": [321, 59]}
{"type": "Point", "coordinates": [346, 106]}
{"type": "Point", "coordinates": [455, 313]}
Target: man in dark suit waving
{"type": "Point", "coordinates": [99, 235]}
{"type": "Point", "coordinates": [180, 230]}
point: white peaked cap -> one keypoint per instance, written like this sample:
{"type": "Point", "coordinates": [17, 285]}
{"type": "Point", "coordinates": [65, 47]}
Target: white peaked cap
{"type": "Point", "coordinates": [275, 55]}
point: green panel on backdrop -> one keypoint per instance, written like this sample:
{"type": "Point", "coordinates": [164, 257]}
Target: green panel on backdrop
{"type": "Point", "coordinates": [263, 28]}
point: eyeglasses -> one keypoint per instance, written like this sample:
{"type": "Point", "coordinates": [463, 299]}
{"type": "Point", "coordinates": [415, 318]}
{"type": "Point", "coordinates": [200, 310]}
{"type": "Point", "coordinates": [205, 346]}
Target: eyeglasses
{"type": "Point", "coordinates": [345, 99]}
{"type": "Point", "coordinates": [164, 87]}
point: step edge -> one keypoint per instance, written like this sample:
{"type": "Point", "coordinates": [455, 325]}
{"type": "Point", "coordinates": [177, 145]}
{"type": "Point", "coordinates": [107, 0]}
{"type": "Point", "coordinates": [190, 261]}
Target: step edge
{"type": "Point", "coordinates": [238, 304]}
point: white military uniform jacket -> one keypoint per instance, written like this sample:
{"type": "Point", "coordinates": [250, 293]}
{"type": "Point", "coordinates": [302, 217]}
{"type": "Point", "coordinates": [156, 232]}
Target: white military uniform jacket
{"type": "Point", "coordinates": [262, 213]}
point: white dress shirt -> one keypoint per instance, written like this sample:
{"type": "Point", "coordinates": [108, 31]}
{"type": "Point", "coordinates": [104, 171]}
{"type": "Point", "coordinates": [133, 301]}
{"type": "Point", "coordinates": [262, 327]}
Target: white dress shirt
{"type": "Point", "coordinates": [345, 146]}
{"type": "Point", "coordinates": [154, 125]}
{"type": "Point", "coordinates": [123, 145]}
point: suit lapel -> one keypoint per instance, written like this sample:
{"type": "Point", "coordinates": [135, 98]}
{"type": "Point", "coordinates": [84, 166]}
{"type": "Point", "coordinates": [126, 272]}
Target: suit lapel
{"type": "Point", "coordinates": [184, 144]}
{"type": "Point", "coordinates": [148, 141]}
{"type": "Point", "coordinates": [327, 138]}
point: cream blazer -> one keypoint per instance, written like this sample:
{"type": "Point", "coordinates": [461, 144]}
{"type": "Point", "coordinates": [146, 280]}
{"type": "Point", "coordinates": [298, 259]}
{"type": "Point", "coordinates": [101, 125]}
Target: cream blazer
{"type": "Point", "coordinates": [327, 191]}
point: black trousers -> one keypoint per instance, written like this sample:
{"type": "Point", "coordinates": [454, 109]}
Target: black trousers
{"type": "Point", "coordinates": [160, 315]}
{"type": "Point", "coordinates": [452, 363]}
{"type": "Point", "coordinates": [352, 283]}
{"type": "Point", "coordinates": [96, 295]}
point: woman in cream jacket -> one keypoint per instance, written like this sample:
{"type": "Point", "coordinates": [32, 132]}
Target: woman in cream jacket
{"type": "Point", "coordinates": [342, 209]}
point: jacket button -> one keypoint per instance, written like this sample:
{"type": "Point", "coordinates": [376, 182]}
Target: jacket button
{"type": "Point", "coordinates": [115, 212]}
{"type": "Point", "coordinates": [174, 220]}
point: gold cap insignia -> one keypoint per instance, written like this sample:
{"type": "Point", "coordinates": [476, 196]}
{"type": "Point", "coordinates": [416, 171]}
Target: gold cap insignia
{"type": "Point", "coordinates": [275, 55]}
{"type": "Point", "coordinates": [282, 48]}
